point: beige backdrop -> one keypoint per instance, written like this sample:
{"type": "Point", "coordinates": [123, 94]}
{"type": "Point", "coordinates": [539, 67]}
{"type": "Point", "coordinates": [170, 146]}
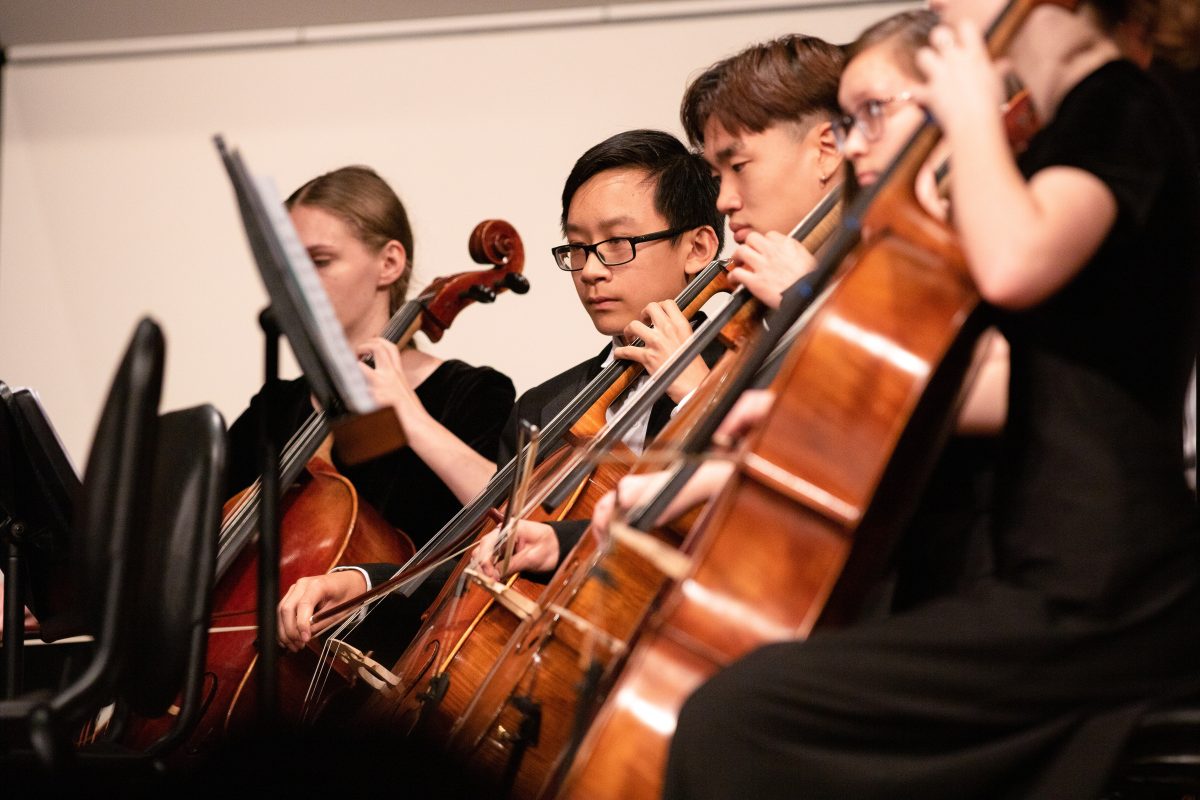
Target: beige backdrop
{"type": "Point", "coordinates": [113, 203]}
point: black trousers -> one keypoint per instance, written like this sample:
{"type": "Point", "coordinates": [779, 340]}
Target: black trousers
{"type": "Point", "coordinates": [991, 694]}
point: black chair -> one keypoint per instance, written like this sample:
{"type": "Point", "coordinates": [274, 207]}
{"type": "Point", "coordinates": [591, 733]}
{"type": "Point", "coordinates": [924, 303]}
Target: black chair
{"type": "Point", "coordinates": [146, 553]}
{"type": "Point", "coordinates": [175, 574]}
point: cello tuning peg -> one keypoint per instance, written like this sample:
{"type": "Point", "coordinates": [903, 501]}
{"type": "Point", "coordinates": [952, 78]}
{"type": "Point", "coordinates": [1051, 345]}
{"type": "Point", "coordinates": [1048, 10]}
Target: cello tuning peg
{"type": "Point", "coordinates": [516, 282]}
{"type": "Point", "coordinates": [480, 294]}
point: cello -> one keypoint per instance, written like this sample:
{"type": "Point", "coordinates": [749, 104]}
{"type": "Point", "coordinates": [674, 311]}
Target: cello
{"type": "Point", "coordinates": [324, 523]}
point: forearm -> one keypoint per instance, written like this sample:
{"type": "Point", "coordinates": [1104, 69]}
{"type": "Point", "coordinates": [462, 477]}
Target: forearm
{"type": "Point", "coordinates": [687, 382]}
{"type": "Point", "coordinates": [708, 481]}
{"type": "Point", "coordinates": [464, 471]}
{"type": "Point", "coordinates": [994, 211]}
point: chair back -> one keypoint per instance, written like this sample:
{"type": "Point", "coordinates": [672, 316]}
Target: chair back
{"type": "Point", "coordinates": [113, 517]}
{"type": "Point", "coordinates": [176, 563]}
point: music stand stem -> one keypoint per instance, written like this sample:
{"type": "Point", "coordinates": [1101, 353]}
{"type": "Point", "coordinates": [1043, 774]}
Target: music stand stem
{"type": "Point", "coordinates": [14, 610]}
{"type": "Point", "coordinates": [268, 534]}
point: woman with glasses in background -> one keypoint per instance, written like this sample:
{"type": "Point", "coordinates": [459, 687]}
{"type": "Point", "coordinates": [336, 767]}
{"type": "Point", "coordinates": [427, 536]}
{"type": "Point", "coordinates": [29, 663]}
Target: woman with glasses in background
{"type": "Point", "coordinates": [945, 545]}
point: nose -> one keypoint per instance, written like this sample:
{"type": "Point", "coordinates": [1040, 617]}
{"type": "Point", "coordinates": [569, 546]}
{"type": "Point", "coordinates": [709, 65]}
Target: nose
{"type": "Point", "coordinates": [593, 270]}
{"type": "Point", "coordinates": [855, 145]}
{"type": "Point", "coordinates": [728, 199]}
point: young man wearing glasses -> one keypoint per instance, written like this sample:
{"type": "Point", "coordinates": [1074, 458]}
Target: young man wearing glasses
{"type": "Point", "coordinates": [640, 218]}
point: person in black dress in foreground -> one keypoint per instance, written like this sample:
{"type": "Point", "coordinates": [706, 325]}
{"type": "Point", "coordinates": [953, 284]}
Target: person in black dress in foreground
{"type": "Point", "coordinates": [1026, 683]}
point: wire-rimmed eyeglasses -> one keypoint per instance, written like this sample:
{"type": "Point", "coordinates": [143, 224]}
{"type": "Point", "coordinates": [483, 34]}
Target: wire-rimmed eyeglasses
{"type": "Point", "coordinates": [611, 252]}
{"type": "Point", "coordinates": [868, 119]}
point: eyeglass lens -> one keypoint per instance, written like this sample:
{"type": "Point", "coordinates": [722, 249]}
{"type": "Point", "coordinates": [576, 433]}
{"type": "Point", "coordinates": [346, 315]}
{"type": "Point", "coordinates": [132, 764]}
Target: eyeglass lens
{"type": "Point", "coordinates": [611, 253]}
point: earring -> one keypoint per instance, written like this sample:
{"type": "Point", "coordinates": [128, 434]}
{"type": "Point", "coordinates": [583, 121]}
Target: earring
{"type": "Point", "coordinates": [825, 179]}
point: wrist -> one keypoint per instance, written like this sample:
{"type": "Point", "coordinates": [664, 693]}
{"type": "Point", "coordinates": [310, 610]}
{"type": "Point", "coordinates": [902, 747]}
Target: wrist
{"type": "Point", "coordinates": [686, 383]}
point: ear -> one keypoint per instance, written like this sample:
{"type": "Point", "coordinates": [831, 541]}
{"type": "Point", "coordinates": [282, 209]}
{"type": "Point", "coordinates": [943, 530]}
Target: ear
{"type": "Point", "coordinates": [703, 250]}
{"type": "Point", "coordinates": [829, 157]}
{"type": "Point", "coordinates": [393, 265]}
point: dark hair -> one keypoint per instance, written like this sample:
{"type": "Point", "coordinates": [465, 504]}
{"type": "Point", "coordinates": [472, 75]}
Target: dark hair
{"type": "Point", "coordinates": [783, 80]}
{"type": "Point", "coordinates": [1171, 28]}
{"type": "Point", "coordinates": [906, 33]}
{"type": "Point", "coordinates": [1177, 33]}
{"type": "Point", "coordinates": [1113, 12]}
{"type": "Point", "coordinates": [684, 193]}
{"type": "Point", "coordinates": [364, 201]}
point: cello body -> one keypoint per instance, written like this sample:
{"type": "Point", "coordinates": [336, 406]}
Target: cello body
{"type": "Point", "coordinates": [466, 628]}
{"type": "Point", "coordinates": [324, 524]}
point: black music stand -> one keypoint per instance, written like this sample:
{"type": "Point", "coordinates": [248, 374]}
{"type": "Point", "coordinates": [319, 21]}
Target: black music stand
{"type": "Point", "coordinates": [38, 493]}
{"type": "Point", "coordinates": [301, 311]}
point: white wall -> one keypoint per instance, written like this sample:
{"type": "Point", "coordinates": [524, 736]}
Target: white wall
{"type": "Point", "coordinates": [113, 203]}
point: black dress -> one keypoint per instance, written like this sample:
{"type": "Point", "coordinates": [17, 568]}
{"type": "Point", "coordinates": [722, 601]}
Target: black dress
{"type": "Point", "coordinates": [1025, 684]}
{"type": "Point", "coordinates": [471, 402]}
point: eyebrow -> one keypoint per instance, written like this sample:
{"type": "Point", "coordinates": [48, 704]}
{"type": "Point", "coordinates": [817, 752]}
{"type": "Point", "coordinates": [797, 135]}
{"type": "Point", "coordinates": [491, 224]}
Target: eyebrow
{"type": "Point", "coordinates": [605, 224]}
{"type": "Point", "coordinates": [727, 152]}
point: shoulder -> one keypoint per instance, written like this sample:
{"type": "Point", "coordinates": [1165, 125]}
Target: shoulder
{"type": "Point", "coordinates": [455, 372]}
{"type": "Point", "coordinates": [291, 394]}
{"type": "Point", "coordinates": [455, 382]}
{"type": "Point", "coordinates": [1118, 125]}
{"type": "Point", "coordinates": [1116, 118]}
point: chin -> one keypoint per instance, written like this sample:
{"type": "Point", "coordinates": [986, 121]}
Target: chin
{"type": "Point", "coordinates": [606, 323]}
{"type": "Point", "coordinates": [609, 331]}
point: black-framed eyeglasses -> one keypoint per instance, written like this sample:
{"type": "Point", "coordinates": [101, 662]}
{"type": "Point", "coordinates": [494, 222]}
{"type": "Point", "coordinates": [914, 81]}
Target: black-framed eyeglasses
{"type": "Point", "coordinates": [868, 119]}
{"type": "Point", "coordinates": [611, 252]}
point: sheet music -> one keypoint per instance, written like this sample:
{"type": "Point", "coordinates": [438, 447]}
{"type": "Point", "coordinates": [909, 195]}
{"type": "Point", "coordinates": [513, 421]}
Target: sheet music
{"type": "Point", "coordinates": [338, 355]}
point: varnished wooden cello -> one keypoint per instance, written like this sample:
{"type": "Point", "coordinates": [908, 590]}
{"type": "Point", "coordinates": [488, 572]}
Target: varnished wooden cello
{"type": "Point", "coordinates": [324, 524]}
